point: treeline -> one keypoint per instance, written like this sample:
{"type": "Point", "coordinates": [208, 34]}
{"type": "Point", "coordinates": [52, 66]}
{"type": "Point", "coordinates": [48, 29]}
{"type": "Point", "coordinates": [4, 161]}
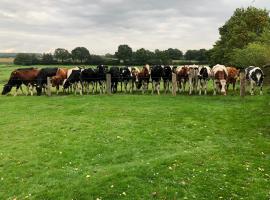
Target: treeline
{"type": "Point", "coordinates": [124, 55]}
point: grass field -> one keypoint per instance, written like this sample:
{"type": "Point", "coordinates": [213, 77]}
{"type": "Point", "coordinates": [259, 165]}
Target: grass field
{"type": "Point", "coordinates": [134, 146]}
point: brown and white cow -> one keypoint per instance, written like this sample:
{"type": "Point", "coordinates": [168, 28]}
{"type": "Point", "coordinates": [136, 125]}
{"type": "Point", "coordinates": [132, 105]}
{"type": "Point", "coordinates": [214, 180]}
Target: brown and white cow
{"type": "Point", "coordinates": [134, 78]}
{"type": "Point", "coordinates": [181, 77]}
{"type": "Point", "coordinates": [219, 74]}
{"type": "Point", "coordinates": [233, 75]}
{"type": "Point", "coordinates": [143, 78]}
{"type": "Point", "coordinates": [59, 78]}
{"type": "Point", "coordinates": [26, 76]}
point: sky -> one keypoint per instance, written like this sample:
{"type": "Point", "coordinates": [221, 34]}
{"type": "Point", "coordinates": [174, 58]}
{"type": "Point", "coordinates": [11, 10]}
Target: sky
{"type": "Point", "coordinates": [101, 25]}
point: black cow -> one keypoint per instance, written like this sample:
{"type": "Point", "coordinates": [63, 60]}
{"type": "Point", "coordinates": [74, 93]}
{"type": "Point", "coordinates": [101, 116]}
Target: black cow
{"type": "Point", "coordinates": [156, 75]}
{"type": "Point", "coordinates": [101, 77]}
{"type": "Point", "coordinates": [125, 77]}
{"type": "Point", "coordinates": [74, 80]}
{"type": "Point", "coordinates": [255, 75]}
{"type": "Point", "coordinates": [89, 76]}
{"type": "Point", "coordinates": [115, 77]}
{"type": "Point", "coordinates": [42, 78]}
{"type": "Point", "coordinates": [167, 77]}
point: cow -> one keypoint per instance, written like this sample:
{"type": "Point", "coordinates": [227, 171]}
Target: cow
{"type": "Point", "coordinates": [125, 76]}
{"type": "Point", "coordinates": [26, 76]}
{"type": "Point", "coordinates": [233, 75]}
{"type": "Point", "coordinates": [101, 77]}
{"type": "Point", "coordinates": [115, 77]}
{"type": "Point", "coordinates": [255, 75]}
{"type": "Point", "coordinates": [193, 72]}
{"type": "Point", "coordinates": [181, 77]}
{"type": "Point", "coordinates": [74, 80]}
{"type": "Point", "coordinates": [204, 76]}
{"type": "Point", "coordinates": [219, 75]}
{"type": "Point", "coordinates": [156, 75]}
{"type": "Point", "coordinates": [167, 77]}
{"type": "Point", "coordinates": [42, 78]}
{"type": "Point", "coordinates": [134, 78]}
{"type": "Point", "coordinates": [69, 89]}
{"type": "Point", "coordinates": [143, 78]}
{"type": "Point", "coordinates": [59, 78]}
{"type": "Point", "coordinates": [87, 77]}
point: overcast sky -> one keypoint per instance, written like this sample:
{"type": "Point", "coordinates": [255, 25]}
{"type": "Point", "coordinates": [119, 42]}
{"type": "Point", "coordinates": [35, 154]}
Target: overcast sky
{"type": "Point", "coordinates": [101, 25]}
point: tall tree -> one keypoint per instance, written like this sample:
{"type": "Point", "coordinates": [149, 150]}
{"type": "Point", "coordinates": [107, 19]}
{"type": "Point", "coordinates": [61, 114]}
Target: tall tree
{"type": "Point", "coordinates": [61, 54]}
{"type": "Point", "coordinates": [244, 27]}
{"type": "Point", "coordinates": [124, 53]}
{"type": "Point", "coordinates": [81, 54]}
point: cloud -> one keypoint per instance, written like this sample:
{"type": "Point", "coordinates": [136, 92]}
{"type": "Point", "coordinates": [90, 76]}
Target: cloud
{"type": "Point", "coordinates": [101, 25]}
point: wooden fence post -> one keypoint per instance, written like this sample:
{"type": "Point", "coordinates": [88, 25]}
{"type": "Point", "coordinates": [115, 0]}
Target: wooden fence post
{"type": "Point", "coordinates": [49, 93]}
{"type": "Point", "coordinates": [242, 83]}
{"type": "Point", "coordinates": [109, 84]}
{"type": "Point", "coordinates": [174, 84]}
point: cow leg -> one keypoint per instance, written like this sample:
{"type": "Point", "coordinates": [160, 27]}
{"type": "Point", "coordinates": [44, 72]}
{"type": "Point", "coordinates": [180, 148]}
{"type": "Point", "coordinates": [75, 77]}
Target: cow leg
{"type": "Point", "coordinates": [200, 86]}
{"type": "Point", "coordinates": [158, 87]}
{"type": "Point", "coordinates": [251, 87]}
{"type": "Point", "coordinates": [153, 86]}
{"type": "Point", "coordinates": [261, 91]}
{"type": "Point", "coordinates": [214, 87]}
{"type": "Point", "coordinates": [16, 91]}
{"type": "Point", "coordinates": [205, 87]}
{"type": "Point", "coordinates": [190, 86]}
{"type": "Point", "coordinates": [184, 85]}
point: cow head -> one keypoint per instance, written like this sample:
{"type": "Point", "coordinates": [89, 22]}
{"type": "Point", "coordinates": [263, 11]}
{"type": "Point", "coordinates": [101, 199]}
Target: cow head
{"type": "Point", "coordinates": [220, 77]}
{"type": "Point", "coordinates": [7, 88]}
{"type": "Point", "coordinates": [203, 73]}
{"type": "Point", "coordinates": [258, 77]}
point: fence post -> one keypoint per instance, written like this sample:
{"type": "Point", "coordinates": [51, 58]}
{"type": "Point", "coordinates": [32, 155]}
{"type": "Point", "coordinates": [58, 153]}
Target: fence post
{"type": "Point", "coordinates": [174, 84]}
{"type": "Point", "coordinates": [242, 83]}
{"type": "Point", "coordinates": [49, 93]}
{"type": "Point", "coordinates": [109, 84]}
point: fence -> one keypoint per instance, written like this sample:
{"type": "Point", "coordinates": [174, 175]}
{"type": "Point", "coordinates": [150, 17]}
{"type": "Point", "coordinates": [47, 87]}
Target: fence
{"type": "Point", "coordinates": [174, 84]}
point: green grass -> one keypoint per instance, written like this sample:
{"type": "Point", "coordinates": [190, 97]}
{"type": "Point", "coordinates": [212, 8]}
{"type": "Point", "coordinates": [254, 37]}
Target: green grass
{"type": "Point", "coordinates": [134, 147]}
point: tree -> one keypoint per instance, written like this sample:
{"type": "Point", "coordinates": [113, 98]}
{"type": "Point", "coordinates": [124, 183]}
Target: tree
{"type": "Point", "coordinates": [174, 54]}
{"type": "Point", "coordinates": [244, 27]}
{"type": "Point", "coordinates": [162, 56]}
{"type": "Point", "coordinates": [80, 54]}
{"type": "Point", "coordinates": [25, 59]}
{"type": "Point", "coordinates": [143, 56]}
{"type": "Point", "coordinates": [124, 53]}
{"type": "Point", "coordinates": [47, 58]}
{"type": "Point", "coordinates": [61, 54]}
{"type": "Point", "coordinates": [198, 55]}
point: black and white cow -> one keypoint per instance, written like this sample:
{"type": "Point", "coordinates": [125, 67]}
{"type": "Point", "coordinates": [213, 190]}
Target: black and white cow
{"type": "Point", "coordinates": [101, 77]}
{"type": "Point", "coordinates": [42, 78]}
{"type": "Point", "coordinates": [156, 75]}
{"type": "Point", "coordinates": [125, 77]}
{"type": "Point", "coordinates": [255, 76]}
{"type": "Point", "coordinates": [74, 80]}
{"type": "Point", "coordinates": [115, 78]}
{"type": "Point", "coordinates": [167, 77]}
{"type": "Point", "coordinates": [204, 76]}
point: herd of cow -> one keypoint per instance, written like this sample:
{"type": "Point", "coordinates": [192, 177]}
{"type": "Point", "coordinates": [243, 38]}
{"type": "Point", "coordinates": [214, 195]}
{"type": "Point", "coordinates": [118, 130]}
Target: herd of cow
{"type": "Point", "coordinates": [81, 80]}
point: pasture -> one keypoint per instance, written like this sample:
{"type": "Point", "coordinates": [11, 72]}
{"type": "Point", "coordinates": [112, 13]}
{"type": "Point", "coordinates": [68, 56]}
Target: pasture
{"type": "Point", "coordinates": [134, 146]}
